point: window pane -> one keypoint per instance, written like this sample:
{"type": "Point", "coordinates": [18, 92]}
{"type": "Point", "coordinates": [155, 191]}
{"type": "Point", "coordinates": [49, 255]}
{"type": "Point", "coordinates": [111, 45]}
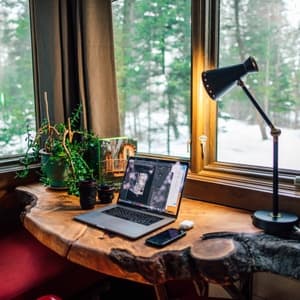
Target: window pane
{"type": "Point", "coordinates": [16, 83]}
{"type": "Point", "coordinates": [152, 50]}
{"type": "Point", "coordinates": [268, 31]}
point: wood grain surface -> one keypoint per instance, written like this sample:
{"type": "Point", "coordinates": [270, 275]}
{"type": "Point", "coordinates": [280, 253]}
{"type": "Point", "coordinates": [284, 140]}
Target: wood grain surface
{"type": "Point", "coordinates": [50, 219]}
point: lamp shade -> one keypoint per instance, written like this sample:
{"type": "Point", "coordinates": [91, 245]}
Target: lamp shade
{"type": "Point", "coordinates": [217, 82]}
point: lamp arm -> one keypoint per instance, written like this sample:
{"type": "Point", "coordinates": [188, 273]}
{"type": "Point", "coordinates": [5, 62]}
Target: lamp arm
{"type": "Point", "coordinates": [255, 103]}
{"type": "Point", "coordinates": [275, 132]}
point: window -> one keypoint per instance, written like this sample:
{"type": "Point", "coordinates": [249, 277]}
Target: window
{"type": "Point", "coordinates": [17, 113]}
{"type": "Point", "coordinates": [268, 31]}
{"type": "Point", "coordinates": [213, 42]}
{"type": "Point", "coordinates": [152, 50]}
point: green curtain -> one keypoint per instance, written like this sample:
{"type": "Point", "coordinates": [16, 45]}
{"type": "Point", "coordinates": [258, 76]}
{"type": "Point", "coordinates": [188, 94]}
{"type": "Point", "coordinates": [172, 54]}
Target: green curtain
{"type": "Point", "coordinates": [74, 62]}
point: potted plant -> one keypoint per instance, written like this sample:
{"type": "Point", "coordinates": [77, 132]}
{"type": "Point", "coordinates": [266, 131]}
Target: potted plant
{"type": "Point", "coordinates": [62, 153]}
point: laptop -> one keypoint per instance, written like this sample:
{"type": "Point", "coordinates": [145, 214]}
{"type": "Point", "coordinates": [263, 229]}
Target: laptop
{"type": "Point", "coordinates": [149, 198]}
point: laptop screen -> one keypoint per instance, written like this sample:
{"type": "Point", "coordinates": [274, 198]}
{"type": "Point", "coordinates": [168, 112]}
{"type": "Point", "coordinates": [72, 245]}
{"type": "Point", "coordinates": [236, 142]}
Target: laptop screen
{"type": "Point", "coordinates": [153, 184]}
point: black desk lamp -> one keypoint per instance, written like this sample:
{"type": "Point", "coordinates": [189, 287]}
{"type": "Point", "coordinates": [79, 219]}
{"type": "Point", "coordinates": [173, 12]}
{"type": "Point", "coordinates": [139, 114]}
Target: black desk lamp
{"type": "Point", "coordinates": [217, 83]}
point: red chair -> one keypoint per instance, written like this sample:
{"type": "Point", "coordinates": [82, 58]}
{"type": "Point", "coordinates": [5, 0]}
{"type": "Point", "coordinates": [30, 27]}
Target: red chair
{"type": "Point", "coordinates": [28, 270]}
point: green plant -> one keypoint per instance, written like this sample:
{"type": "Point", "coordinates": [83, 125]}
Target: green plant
{"type": "Point", "coordinates": [63, 144]}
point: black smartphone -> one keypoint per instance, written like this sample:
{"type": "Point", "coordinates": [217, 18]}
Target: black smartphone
{"type": "Point", "coordinates": [165, 237]}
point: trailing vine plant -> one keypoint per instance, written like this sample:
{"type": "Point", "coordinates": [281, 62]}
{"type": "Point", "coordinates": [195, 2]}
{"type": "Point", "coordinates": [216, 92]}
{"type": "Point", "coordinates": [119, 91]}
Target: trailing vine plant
{"type": "Point", "coordinates": [63, 143]}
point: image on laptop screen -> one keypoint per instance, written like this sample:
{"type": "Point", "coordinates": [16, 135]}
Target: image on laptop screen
{"type": "Point", "coordinates": [153, 184]}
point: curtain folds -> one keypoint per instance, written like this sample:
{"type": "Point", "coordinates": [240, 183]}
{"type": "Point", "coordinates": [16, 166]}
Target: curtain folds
{"type": "Point", "coordinates": [74, 62]}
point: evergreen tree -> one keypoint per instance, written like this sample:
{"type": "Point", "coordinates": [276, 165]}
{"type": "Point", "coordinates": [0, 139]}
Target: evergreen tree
{"type": "Point", "coordinates": [16, 80]}
{"type": "Point", "coordinates": [153, 57]}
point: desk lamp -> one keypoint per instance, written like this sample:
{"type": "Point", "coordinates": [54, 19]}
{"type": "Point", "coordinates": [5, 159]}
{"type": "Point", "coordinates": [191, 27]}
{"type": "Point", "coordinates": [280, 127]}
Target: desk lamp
{"type": "Point", "coordinates": [217, 83]}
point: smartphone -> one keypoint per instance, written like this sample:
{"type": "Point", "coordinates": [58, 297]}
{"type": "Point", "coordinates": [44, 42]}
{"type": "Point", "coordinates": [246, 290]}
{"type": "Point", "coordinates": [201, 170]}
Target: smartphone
{"type": "Point", "coordinates": [165, 237]}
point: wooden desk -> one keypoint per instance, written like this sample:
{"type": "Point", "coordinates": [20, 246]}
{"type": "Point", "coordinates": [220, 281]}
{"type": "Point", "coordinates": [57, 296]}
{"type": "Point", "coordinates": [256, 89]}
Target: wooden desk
{"type": "Point", "coordinates": [49, 217]}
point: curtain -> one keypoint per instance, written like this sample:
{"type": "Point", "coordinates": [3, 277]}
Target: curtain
{"type": "Point", "coordinates": [74, 62]}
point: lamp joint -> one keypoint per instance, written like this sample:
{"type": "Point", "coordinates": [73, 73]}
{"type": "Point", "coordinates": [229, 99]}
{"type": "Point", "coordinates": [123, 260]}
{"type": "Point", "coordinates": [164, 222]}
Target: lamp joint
{"type": "Point", "coordinates": [275, 131]}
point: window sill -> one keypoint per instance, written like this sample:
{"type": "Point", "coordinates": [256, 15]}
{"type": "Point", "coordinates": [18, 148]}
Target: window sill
{"type": "Point", "coordinates": [241, 191]}
{"type": "Point", "coordinates": [242, 186]}
{"type": "Point", "coordinates": [15, 166]}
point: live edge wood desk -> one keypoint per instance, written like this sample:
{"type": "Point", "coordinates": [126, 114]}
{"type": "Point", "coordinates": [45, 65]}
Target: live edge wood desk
{"type": "Point", "coordinates": [223, 247]}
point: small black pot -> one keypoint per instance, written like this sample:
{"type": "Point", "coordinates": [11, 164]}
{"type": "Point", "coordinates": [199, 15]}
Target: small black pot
{"type": "Point", "coordinates": [87, 193]}
{"type": "Point", "coordinates": [105, 193]}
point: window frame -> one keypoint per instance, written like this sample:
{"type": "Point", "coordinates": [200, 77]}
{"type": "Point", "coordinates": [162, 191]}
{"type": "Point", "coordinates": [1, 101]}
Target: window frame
{"type": "Point", "coordinates": [241, 186]}
{"type": "Point", "coordinates": [242, 183]}
{"type": "Point", "coordinates": [9, 164]}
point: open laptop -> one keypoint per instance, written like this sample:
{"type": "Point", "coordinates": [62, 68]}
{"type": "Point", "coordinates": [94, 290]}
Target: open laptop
{"type": "Point", "coordinates": [152, 189]}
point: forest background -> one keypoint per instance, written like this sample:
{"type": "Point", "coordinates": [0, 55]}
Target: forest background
{"type": "Point", "coordinates": [153, 59]}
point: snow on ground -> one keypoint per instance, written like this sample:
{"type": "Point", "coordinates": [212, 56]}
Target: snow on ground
{"type": "Point", "coordinates": [238, 142]}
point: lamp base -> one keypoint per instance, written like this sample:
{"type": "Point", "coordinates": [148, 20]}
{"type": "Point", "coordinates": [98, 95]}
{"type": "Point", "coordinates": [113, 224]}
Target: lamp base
{"type": "Point", "coordinates": [265, 220]}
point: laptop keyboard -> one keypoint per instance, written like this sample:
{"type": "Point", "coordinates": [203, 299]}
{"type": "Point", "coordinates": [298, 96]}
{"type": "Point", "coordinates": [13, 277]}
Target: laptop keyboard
{"type": "Point", "coordinates": [134, 216]}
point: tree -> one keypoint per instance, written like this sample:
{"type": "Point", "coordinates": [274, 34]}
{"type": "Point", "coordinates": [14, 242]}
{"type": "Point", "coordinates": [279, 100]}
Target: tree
{"type": "Point", "coordinates": [16, 84]}
{"type": "Point", "coordinates": [260, 29]}
{"type": "Point", "coordinates": [154, 68]}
